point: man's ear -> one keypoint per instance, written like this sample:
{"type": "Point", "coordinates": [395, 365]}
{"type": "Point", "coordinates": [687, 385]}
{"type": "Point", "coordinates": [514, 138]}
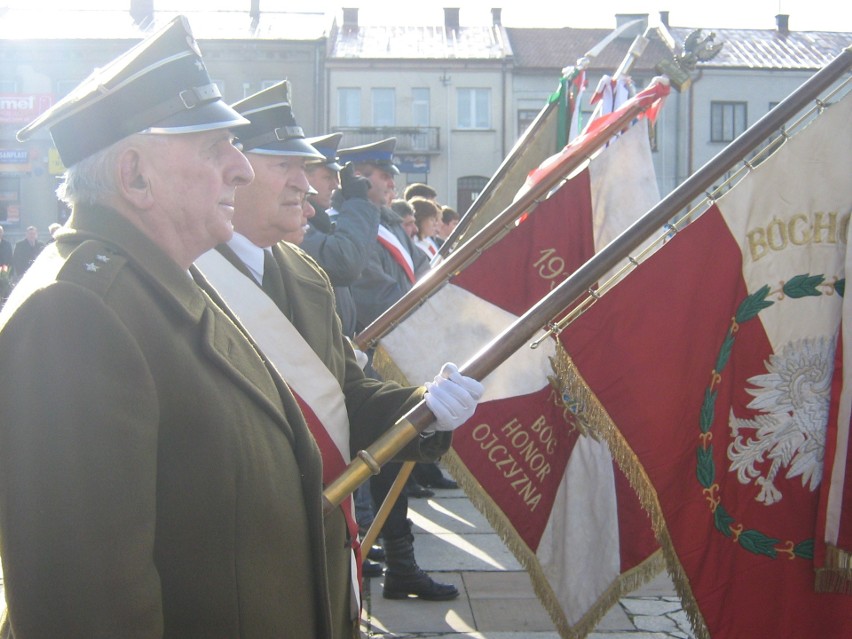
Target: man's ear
{"type": "Point", "coordinates": [133, 185]}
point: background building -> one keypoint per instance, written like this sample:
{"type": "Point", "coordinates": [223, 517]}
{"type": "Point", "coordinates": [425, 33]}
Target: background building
{"type": "Point", "coordinates": [456, 93]}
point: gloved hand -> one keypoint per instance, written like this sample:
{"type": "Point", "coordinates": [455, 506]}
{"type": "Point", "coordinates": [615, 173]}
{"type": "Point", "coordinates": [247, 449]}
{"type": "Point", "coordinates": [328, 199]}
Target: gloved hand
{"type": "Point", "coordinates": [353, 186]}
{"type": "Point", "coordinates": [452, 398]}
{"type": "Point", "coordinates": [360, 356]}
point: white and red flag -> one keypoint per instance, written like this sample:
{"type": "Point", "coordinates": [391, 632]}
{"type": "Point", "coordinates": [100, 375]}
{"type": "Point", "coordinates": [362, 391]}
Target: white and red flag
{"type": "Point", "coordinates": [555, 497]}
{"type": "Point", "coordinates": [711, 372]}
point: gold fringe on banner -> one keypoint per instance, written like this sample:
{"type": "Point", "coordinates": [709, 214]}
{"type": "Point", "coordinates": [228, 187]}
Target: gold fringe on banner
{"type": "Point", "coordinates": [836, 574]}
{"type": "Point", "coordinates": [592, 416]}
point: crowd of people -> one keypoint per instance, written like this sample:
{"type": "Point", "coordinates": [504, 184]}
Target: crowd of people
{"type": "Point", "coordinates": [179, 380]}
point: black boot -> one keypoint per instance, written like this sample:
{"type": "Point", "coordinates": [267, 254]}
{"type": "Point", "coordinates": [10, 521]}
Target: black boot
{"type": "Point", "coordinates": [404, 577]}
{"type": "Point", "coordinates": [376, 553]}
{"type": "Point", "coordinates": [415, 490]}
{"type": "Point", "coordinates": [371, 568]}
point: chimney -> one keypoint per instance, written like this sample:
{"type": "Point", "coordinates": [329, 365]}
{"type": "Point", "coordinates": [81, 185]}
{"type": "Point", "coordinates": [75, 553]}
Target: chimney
{"type": "Point", "coordinates": [142, 11]}
{"type": "Point", "coordinates": [451, 19]}
{"type": "Point", "coordinates": [782, 22]}
{"type": "Point", "coordinates": [496, 16]}
{"type": "Point", "coordinates": [350, 19]}
{"type": "Point", "coordinates": [637, 29]}
{"type": "Point", "coordinates": [664, 18]}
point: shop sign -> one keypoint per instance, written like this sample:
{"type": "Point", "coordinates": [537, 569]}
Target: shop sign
{"type": "Point", "coordinates": [14, 161]}
{"type": "Point", "coordinates": [23, 108]}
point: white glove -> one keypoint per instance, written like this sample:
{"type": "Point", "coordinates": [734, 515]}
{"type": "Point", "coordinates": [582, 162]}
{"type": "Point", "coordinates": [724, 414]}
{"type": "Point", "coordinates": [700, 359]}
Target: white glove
{"type": "Point", "coordinates": [452, 398]}
{"type": "Point", "coordinates": [360, 356]}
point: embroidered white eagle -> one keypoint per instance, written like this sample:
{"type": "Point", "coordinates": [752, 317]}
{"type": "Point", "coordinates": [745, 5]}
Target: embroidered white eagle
{"type": "Point", "coordinates": [793, 396]}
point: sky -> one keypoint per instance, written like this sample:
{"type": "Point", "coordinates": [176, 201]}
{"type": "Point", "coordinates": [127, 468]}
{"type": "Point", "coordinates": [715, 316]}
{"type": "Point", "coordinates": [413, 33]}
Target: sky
{"type": "Point", "coordinates": [805, 15]}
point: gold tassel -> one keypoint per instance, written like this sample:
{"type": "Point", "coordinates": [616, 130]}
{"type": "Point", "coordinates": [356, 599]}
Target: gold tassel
{"type": "Point", "coordinates": [836, 575]}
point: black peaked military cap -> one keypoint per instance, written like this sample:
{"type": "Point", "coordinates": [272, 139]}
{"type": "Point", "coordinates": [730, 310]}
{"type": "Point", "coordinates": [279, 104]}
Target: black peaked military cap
{"type": "Point", "coordinates": [159, 86]}
{"type": "Point", "coordinates": [379, 153]}
{"type": "Point", "coordinates": [327, 145]}
{"type": "Point", "coordinates": [272, 128]}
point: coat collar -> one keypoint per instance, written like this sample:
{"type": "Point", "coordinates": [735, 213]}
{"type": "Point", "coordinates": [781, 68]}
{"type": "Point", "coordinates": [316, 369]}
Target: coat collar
{"type": "Point", "coordinates": [173, 284]}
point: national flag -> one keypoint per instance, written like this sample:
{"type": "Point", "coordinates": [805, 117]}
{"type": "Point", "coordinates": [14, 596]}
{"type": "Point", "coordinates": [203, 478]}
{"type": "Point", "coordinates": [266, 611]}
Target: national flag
{"type": "Point", "coordinates": [554, 496]}
{"type": "Point", "coordinates": [709, 371]}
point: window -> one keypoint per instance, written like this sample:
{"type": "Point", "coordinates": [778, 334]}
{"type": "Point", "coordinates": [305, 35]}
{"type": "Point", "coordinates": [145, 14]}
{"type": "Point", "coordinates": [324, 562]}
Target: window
{"type": "Point", "coordinates": [474, 108]}
{"type": "Point", "coordinates": [384, 107]}
{"type": "Point", "coordinates": [420, 118]}
{"type": "Point", "coordinates": [8, 86]}
{"type": "Point", "coordinates": [727, 120]}
{"type": "Point", "coordinates": [525, 118]}
{"type": "Point", "coordinates": [420, 107]}
{"type": "Point", "coordinates": [349, 107]}
{"type": "Point", "coordinates": [468, 189]}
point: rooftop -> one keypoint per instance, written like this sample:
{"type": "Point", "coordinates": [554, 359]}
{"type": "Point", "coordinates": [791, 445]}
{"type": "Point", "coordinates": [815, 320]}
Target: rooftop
{"type": "Point", "coordinates": [771, 48]}
{"type": "Point", "coordinates": [119, 24]}
{"type": "Point", "coordinates": [538, 49]}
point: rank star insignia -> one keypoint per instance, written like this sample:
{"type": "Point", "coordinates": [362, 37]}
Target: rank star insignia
{"type": "Point", "coordinates": [91, 267]}
{"type": "Point", "coordinates": [102, 258]}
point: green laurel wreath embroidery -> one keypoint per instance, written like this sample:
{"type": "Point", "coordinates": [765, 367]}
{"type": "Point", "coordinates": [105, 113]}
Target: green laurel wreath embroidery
{"type": "Point", "coordinates": [753, 541]}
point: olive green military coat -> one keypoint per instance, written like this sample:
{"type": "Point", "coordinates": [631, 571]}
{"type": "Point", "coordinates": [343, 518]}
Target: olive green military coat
{"type": "Point", "coordinates": [307, 299]}
{"type": "Point", "coordinates": [155, 479]}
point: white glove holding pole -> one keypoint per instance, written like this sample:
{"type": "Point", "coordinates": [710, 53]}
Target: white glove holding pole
{"type": "Point", "coordinates": [452, 398]}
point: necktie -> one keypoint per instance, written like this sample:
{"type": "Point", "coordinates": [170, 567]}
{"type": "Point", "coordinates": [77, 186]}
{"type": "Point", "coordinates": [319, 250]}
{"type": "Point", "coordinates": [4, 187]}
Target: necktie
{"type": "Point", "coordinates": [272, 283]}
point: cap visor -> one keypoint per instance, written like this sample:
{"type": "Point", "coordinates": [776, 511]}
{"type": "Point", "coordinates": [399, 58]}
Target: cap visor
{"type": "Point", "coordinates": [207, 117]}
{"type": "Point", "coordinates": [296, 146]}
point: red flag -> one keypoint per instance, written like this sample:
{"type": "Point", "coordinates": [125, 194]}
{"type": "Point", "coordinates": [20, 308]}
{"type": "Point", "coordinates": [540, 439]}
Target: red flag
{"type": "Point", "coordinates": [709, 372]}
{"type": "Point", "coordinates": [554, 496]}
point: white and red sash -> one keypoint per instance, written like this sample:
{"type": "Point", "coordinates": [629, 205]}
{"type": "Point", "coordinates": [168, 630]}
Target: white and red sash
{"type": "Point", "coordinates": [397, 250]}
{"type": "Point", "coordinates": [316, 390]}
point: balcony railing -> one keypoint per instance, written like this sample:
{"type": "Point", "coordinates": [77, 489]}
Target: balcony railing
{"type": "Point", "coordinates": [412, 139]}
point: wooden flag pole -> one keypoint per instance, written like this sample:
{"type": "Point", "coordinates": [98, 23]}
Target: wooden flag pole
{"type": "Point", "coordinates": [520, 332]}
{"type": "Point", "coordinates": [382, 513]}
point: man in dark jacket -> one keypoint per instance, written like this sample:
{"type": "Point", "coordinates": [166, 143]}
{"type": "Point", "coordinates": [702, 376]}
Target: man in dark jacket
{"type": "Point", "coordinates": [394, 264]}
{"type": "Point", "coordinates": [26, 250]}
{"type": "Point", "coordinates": [341, 234]}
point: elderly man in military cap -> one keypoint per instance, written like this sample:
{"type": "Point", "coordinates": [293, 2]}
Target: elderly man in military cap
{"type": "Point", "coordinates": [157, 477]}
{"type": "Point", "coordinates": [290, 314]}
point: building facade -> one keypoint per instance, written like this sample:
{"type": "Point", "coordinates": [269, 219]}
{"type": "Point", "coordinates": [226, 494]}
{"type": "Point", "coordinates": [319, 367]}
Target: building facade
{"type": "Point", "coordinates": [457, 94]}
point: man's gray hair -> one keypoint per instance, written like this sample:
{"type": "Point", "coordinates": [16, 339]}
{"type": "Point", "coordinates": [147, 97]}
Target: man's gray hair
{"type": "Point", "coordinates": [93, 180]}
